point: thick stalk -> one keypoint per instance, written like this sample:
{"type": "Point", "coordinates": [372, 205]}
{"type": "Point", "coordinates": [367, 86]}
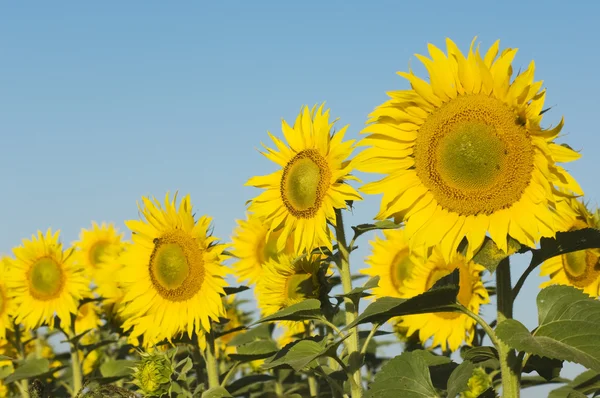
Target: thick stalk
{"type": "Point", "coordinates": [211, 361]}
{"type": "Point", "coordinates": [75, 362]}
{"type": "Point", "coordinates": [508, 360]}
{"type": "Point", "coordinates": [23, 385]}
{"type": "Point", "coordinates": [351, 310]}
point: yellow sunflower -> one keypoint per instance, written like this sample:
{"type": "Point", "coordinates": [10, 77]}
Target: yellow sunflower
{"type": "Point", "coordinates": [464, 154]}
{"type": "Point", "coordinates": [93, 244]}
{"type": "Point", "coordinates": [253, 244]}
{"type": "Point", "coordinates": [45, 281]}
{"type": "Point", "coordinates": [393, 261]}
{"type": "Point", "coordinates": [302, 195]}
{"type": "Point", "coordinates": [107, 285]}
{"type": "Point", "coordinates": [87, 318]}
{"type": "Point", "coordinates": [580, 269]}
{"type": "Point", "coordinates": [6, 302]}
{"type": "Point", "coordinates": [173, 276]}
{"type": "Point", "coordinates": [448, 329]}
{"type": "Point", "coordinates": [286, 281]}
{"type": "Point", "coordinates": [237, 318]}
{"type": "Point", "coordinates": [292, 331]}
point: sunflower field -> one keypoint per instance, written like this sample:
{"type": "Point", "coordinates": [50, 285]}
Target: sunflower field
{"type": "Point", "coordinates": [466, 178]}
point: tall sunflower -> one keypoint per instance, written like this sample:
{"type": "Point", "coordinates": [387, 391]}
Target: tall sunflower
{"type": "Point", "coordinates": [94, 244]}
{"type": "Point", "coordinates": [108, 286]}
{"type": "Point", "coordinates": [580, 269]}
{"type": "Point", "coordinates": [448, 329]}
{"type": "Point", "coordinates": [393, 261]}
{"type": "Point", "coordinates": [464, 153]}
{"type": "Point", "coordinates": [173, 276]}
{"type": "Point", "coordinates": [45, 281]}
{"type": "Point", "coordinates": [303, 194]}
{"type": "Point", "coordinates": [6, 302]}
{"type": "Point", "coordinates": [253, 245]}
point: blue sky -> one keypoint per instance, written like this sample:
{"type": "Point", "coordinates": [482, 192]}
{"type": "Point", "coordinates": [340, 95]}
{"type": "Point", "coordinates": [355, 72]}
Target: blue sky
{"type": "Point", "coordinates": [103, 102]}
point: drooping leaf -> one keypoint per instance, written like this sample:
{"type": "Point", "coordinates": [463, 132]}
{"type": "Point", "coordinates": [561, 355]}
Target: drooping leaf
{"type": "Point", "coordinates": [546, 367]}
{"type": "Point", "coordinates": [385, 308]}
{"type": "Point", "coordinates": [117, 368]}
{"type": "Point", "coordinates": [235, 290]}
{"type": "Point", "coordinates": [216, 392]}
{"type": "Point", "coordinates": [406, 376]}
{"type": "Point", "coordinates": [260, 332]}
{"type": "Point", "coordinates": [304, 310]}
{"type": "Point", "coordinates": [357, 292]}
{"type": "Point", "coordinates": [255, 350]}
{"type": "Point", "coordinates": [245, 384]}
{"type": "Point", "coordinates": [586, 383]}
{"type": "Point", "coordinates": [28, 369]}
{"type": "Point", "coordinates": [458, 381]}
{"type": "Point", "coordinates": [486, 357]}
{"type": "Point", "coordinates": [562, 311]}
{"type": "Point", "coordinates": [490, 255]}
{"type": "Point", "coordinates": [297, 355]}
{"type": "Point", "coordinates": [363, 228]}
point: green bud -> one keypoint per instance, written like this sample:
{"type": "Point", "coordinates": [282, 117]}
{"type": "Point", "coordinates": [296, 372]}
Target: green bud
{"type": "Point", "coordinates": [152, 374]}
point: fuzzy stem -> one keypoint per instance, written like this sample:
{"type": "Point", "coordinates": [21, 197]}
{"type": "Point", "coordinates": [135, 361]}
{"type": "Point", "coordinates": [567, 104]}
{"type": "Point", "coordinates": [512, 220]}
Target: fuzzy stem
{"type": "Point", "coordinates": [23, 385]}
{"type": "Point", "coordinates": [75, 362]}
{"type": "Point", "coordinates": [510, 378]}
{"type": "Point", "coordinates": [211, 361]}
{"type": "Point", "coordinates": [351, 307]}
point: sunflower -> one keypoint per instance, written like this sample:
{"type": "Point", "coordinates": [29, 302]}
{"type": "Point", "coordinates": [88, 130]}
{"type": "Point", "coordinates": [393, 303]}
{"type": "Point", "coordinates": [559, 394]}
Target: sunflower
{"type": "Point", "coordinates": [87, 318]}
{"type": "Point", "coordinates": [580, 269]}
{"type": "Point", "coordinates": [301, 197]}
{"type": "Point", "coordinates": [45, 281]}
{"type": "Point", "coordinates": [6, 302]}
{"type": "Point", "coordinates": [173, 276]}
{"type": "Point", "coordinates": [94, 244]}
{"type": "Point", "coordinates": [237, 319]}
{"type": "Point", "coordinates": [287, 281]}
{"type": "Point", "coordinates": [107, 286]}
{"type": "Point", "coordinates": [393, 261]}
{"type": "Point", "coordinates": [465, 154]}
{"type": "Point", "coordinates": [292, 331]}
{"type": "Point", "coordinates": [253, 245]}
{"type": "Point", "coordinates": [449, 329]}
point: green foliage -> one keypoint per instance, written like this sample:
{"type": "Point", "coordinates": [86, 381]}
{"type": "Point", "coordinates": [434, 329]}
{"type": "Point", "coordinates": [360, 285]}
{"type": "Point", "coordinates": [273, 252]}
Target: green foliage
{"type": "Point", "coordinates": [29, 368]}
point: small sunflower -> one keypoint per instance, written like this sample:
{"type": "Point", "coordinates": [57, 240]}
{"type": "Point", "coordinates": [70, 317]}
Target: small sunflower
{"type": "Point", "coordinates": [254, 244]}
{"type": "Point", "coordinates": [45, 281]}
{"type": "Point", "coordinates": [580, 269]}
{"type": "Point", "coordinates": [6, 302]}
{"type": "Point", "coordinates": [464, 154]}
{"type": "Point", "coordinates": [291, 332]}
{"type": "Point", "coordinates": [87, 318]}
{"type": "Point", "coordinates": [393, 261]}
{"type": "Point", "coordinates": [173, 276]}
{"type": "Point", "coordinates": [94, 244]}
{"type": "Point", "coordinates": [107, 285]}
{"type": "Point", "coordinates": [448, 329]}
{"type": "Point", "coordinates": [287, 281]}
{"type": "Point", "coordinates": [237, 318]}
{"type": "Point", "coordinates": [301, 197]}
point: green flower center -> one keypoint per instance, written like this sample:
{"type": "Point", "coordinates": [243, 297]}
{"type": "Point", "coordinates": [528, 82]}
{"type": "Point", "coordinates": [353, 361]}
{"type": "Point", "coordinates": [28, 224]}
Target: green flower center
{"type": "Point", "coordinates": [401, 268]}
{"type": "Point", "coordinates": [304, 183]}
{"type": "Point", "coordinates": [581, 267]}
{"type": "Point", "coordinates": [97, 251]}
{"type": "Point", "coordinates": [299, 287]}
{"type": "Point", "coordinates": [177, 266]}
{"type": "Point", "coordinates": [474, 155]}
{"type": "Point", "coordinates": [46, 279]}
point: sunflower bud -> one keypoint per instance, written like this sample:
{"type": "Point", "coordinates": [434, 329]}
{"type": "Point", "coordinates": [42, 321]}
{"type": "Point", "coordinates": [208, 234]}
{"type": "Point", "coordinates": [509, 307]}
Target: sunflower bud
{"type": "Point", "coordinates": [152, 374]}
{"type": "Point", "coordinates": [479, 382]}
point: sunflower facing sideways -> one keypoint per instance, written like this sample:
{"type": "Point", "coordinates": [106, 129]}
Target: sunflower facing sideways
{"type": "Point", "coordinates": [6, 302]}
{"type": "Point", "coordinates": [464, 154]}
{"type": "Point", "coordinates": [252, 246]}
{"type": "Point", "coordinates": [448, 329]}
{"type": "Point", "coordinates": [580, 269]}
{"type": "Point", "coordinates": [94, 244]}
{"type": "Point", "coordinates": [303, 194]}
{"type": "Point", "coordinates": [172, 275]}
{"type": "Point", "coordinates": [45, 281]}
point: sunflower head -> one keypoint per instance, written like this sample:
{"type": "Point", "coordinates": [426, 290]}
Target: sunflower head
{"type": "Point", "coordinates": [581, 268]}
{"type": "Point", "coordinates": [6, 302]}
{"type": "Point", "coordinates": [253, 245]}
{"type": "Point", "coordinates": [94, 244]}
{"type": "Point", "coordinates": [303, 194]}
{"type": "Point", "coordinates": [45, 281]}
{"type": "Point", "coordinates": [108, 286]}
{"type": "Point", "coordinates": [464, 154]}
{"type": "Point", "coordinates": [448, 329]}
{"type": "Point", "coordinates": [87, 318]}
{"type": "Point", "coordinates": [173, 274]}
{"type": "Point", "coordinates": [152, 373]}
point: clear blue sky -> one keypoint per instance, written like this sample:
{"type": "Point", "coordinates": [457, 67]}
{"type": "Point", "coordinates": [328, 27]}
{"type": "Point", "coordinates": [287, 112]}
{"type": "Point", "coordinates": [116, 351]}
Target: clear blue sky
{"type": "Point", "coordinates": [103, 102]}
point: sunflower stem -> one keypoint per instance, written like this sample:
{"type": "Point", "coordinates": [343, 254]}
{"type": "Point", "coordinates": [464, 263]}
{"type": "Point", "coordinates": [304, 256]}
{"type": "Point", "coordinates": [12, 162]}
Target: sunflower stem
{"type": "Point", "coordinates": [313, 388]}
{"type": "Point", "coordinates": [75, 362]}
{"type": "Point", "coordinates": [23, 385]}
{"type": "Point", "coordinates": [351, 306]}
{"type": "Point", "coordinates": [211, 361]}
{"type": "Point", "coordinates": [508, 360]}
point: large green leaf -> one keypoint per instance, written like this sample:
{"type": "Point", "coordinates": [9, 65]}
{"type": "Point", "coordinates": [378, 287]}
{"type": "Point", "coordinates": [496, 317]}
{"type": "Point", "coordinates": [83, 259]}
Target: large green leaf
{"type": "Point", "coordinates": [404, 376]}
{"type": "Point", "coordinates": [363, 228]}
{"type": "Point", "coordinates": [255, 350]}
{"type": "Point", "coordinates": [459, 378]}
{"type": "Point", "coordinates": [586, 383]}
{"type": "Point", "coordinates": [217, 392]}
{"type": "Point", "coordinates": [304, 310]}
{"type": "Point", "coordinates": [260, 332]}
{"type": "Point", "coordinates": [117, 368]}
{"type": "Point", "coordinates": [442, 299]}
{"type": "Point", "coordinates": [357, 292]}
{"type": "Point", "coordinates": [568, 328]}
{"type": "Point", "coordinates": [297, 355]}
{"type": "Point", "coordinates": [28, 369]}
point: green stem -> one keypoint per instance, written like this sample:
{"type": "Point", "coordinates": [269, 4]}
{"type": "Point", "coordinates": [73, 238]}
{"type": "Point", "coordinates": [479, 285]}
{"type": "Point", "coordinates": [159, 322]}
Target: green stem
{"type": "Point", "coordinates": [230, 373]}
{"type": "Point", "coordinates": [351, 307]}
{"type": "Point", "coordinates": [484, 325]}
{"type": "Point", "coordinates": [23, 385]}
{"type": "Point", "coordinates": [510, 378]}
{"type": "Point", "coordinates": [211, 361]}
{"type": "Point", "coordinates": [313, 388]}
{"type": "Point", "coordinates": [75, 362]}
{"type": "Point", "coordinates": [368, 339]}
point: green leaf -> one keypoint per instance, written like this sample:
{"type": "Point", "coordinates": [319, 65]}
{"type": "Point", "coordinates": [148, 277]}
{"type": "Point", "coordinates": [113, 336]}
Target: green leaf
{"type": "Point", "coordinates": [255, 350]}
{"type": "Point", "coordinates": [489, 255]}
{"type": "Point", "coordinates": [586, 383]}
{"type": "Point", "coordinates": [546, 367]}
{"type": "Point", "coordinates": [458, 381]}
{"type": "Point", "coordinates": [363, 228]}
{"type": "Point", "coordinates": [297, 355]}
{"type": "Point", "coordinates": [28, 369]}
{"type": "Point", "coordinates": [404, 376]}
{"type": "Point", "coordinates": [566, 242]}
{"type": "Point", "coordinates": [304, 310]}
{"type": "Point", "coordinates": [117, 368]}
{"type": "Point", "coordinates": [217, 392]}
{"type": "Point", "coordinates": [436, 300]}
{"type": "Point", "coordinates": [5, 358]}
{"type": "Point", "coordinates": [568, 328]}
{"type": "Point", "coordinates": [248, 383]}
{"type": "Point", "coordinates": [234, 290]}
{"type": "Point", "coordinates": [486, 357]}
{"type": "Point", "coordinates": [261, 332]}
{"type": "Point", "coordinates": [357, 292]}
